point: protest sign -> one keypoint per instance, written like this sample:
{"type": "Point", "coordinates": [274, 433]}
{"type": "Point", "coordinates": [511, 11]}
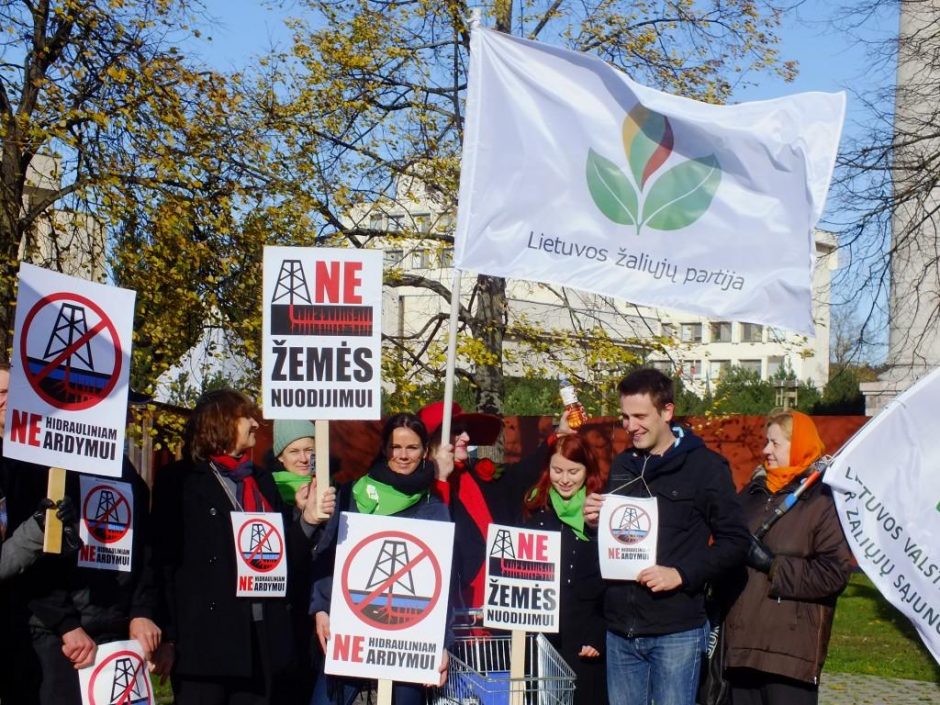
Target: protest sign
{"type": "Point", "coordinates": [522, 579]}
{"type": "Point", "coordinates": [261, 566]}
{"type": "Point", "coordinates": [322, 333]}
{"type": "Point", "coordinates": [389, 603]}
{"type": "Point", "coordinates": [107, 524]}
{"type": "Point", "coordinates": [119, 676]}
{"type": "Point", "coordinates": [627, 531]}
{"type": "Point", "coordinates": [67, 403]}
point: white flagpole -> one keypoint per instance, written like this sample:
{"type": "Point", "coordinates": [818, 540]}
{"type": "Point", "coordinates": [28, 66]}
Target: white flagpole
{"type": "Point", "coordinates": [475, 15]}
{"type": "Point", "coordinates": [451, 355]}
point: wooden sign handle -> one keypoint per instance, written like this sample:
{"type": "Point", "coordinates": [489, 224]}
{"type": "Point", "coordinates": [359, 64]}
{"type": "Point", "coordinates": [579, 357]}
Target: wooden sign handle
{"type": "Point", "coordinates": [322, 447]}
{"type": "Point", "coordinates": [384, 694]}
{"type": "Point", "coordinates": [517, 667]}
{"type": "Point", "coordinates": [52, 538]}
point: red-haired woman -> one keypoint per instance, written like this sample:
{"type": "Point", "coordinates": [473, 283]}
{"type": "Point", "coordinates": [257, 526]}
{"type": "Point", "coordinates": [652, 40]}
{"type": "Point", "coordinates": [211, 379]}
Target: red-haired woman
{"type": "Point", "coordinates": [556, 503]}
{"type": "Point", "coordinates": [222, 649]}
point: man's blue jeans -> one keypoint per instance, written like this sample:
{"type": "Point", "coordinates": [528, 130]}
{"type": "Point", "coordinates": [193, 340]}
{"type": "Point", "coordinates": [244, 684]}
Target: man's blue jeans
{"type": "Point", "coordinates": [655, 669]}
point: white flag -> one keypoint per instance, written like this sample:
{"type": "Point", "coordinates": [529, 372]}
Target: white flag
{"type": "Point", "coordinates": [886, 483]}
{"type": "Point", "coordinates": [574, 174]}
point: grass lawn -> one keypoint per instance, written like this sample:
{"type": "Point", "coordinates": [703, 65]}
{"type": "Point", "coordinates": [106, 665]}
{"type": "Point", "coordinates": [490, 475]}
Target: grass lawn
{"type": "Point", "coordinates": [870, 636]}
{"type": "Point", "coordinates": [162, 693]}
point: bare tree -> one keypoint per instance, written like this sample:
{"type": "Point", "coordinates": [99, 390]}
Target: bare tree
{"type": "Point", "coordinates": [887, 192]}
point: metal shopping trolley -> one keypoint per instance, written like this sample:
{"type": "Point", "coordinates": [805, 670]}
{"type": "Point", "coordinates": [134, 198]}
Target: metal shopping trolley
{"type": "Point", "coordinates": [478, 673]}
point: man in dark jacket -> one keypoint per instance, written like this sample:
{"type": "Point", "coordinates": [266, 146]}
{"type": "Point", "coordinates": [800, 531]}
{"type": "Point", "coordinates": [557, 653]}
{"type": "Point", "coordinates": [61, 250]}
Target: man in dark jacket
{"type": "Point", "coordinates": [656, 625]}
{"type": "Point", "coordinates": [67, 610]}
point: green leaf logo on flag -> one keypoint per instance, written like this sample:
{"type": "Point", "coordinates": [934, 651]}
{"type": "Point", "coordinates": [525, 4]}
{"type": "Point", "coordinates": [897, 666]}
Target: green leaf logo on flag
{"type": "Point", "coordinates": [675, 199]}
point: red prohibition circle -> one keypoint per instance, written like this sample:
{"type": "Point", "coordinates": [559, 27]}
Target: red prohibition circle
{"type": "Point", "coordinates": [641, 513]}
{"type": "Point", "coordinates": [426, 551]}
{"type": "Point", "coordinates": [89, 522]}
{"type": "Point", "coordinates": [274, 531]}
{"type": "Point", "coordinates": [139, 667]}
{"type": "Point", "coordinates": [109, 326]}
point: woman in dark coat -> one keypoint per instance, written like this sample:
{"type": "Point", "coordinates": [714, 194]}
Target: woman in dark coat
{"type": "Point", "coordinates": [556, 503]}
{"type": "Point", "coordinates": [398, 484]}
{"type": "Point", "coordinates": [220, 648]}
{"type": "Point", "coordinates": [777, 631]}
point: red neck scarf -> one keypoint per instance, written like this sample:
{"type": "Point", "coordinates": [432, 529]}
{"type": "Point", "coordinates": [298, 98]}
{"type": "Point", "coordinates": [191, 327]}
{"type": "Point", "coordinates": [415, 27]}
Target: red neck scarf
{"type": "Point", "coordinates": [239, 471]}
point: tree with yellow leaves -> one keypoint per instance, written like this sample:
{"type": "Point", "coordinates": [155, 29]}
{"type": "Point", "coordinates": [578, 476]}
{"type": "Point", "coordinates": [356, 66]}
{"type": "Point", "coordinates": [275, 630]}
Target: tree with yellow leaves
{"type": "Point", "coordinates": [366, 109]}
{"type": "Point", "coordinates": [117, 151]}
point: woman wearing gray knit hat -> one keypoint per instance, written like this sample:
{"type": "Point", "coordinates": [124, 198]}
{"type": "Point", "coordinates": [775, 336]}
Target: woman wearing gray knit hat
{"type": "Point", "coordinates": [294, 449]}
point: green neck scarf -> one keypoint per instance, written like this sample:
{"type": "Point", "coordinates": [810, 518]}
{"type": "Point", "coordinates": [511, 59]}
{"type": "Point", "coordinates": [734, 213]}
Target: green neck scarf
{"type": "Point", "coordinates": [288, 483]}
{"type": "Point", "coordinates": [570, 511]}
{"type": "Point", "coordinates": [374, 497]}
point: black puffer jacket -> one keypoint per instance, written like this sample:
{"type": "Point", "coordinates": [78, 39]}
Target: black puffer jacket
{"type": "Point", "coordinates": [701, 534]}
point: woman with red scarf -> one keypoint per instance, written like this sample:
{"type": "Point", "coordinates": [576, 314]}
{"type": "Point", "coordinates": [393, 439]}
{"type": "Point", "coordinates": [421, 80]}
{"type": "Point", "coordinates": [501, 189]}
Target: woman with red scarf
{"type": "Point", "coordinates": [777, 631]}
{"type": "Point", "coordinates": [221, 649]}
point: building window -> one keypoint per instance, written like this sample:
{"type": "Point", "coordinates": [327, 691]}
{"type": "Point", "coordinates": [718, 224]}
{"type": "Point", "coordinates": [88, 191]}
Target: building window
{"type": "Point", "coordinates": [774, 365]}
{"type": "Point", "coordinates": [395, 222]}
{"type": "Point", "coordinates": [750, 366]}
{"type": "Point", "coordinates": [376, 221]}
{"type": "Point", "coordinates": [393, 258]}
{"type": "Point", "coordinates": [445, 223]}
{"type": "Point", "coordinates": [752, 333]}
{"type": "Point", "coordinates": [667, 330]}
{"type": "Point", "coordinates": [446, 257]}
{"type": "Point", "coordinates": [420, 259]}
{"type": "Point", "coordinates": [423, 222]}
{"type": "Point", "coordinates": [716, 368]}
{"type": "Point", "coordinates": [691, 369]}
{"type": "Point", "coordinates": [721, 332]}
{"type": "Point", "coordinates": [691, 333]}
{"type": "Point", "coordinates": [664, 366]}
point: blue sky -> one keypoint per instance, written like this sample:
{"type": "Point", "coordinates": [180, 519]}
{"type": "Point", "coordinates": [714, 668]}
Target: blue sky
{"type": "Point", "coordinates": [829, 60]}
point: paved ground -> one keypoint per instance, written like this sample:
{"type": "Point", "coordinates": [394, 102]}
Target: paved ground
{"type": "Point", "coordinates": [850, 689]}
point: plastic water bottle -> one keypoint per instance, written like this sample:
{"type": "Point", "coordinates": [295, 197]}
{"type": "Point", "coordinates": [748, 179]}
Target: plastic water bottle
{"type": "Point", "coordinates": [569, 397]}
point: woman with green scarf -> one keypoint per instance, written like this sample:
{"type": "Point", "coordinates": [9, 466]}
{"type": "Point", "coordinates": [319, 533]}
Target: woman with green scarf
{"type": "Point", "coordinates": [556, 503]}
{"type": "Point", "coordinates": [397, 484]}
{"type": "Point", "coordinates": [292, 462]}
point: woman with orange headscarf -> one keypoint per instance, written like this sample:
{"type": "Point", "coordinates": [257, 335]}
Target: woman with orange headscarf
{"type": "Point", "coordinates": [777, 631]}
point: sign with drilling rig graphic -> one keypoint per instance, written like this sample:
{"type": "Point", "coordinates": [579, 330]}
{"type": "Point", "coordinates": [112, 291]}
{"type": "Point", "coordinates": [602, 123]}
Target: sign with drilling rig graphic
{"type": "Point", "coordinates": [119, 676]}
{"type": "Point", "coordinates": [627, 532]}
{"type": "Point", "coordinates": [69, 373]}
{"type": "Point", "coordinates": [322, 333]}
{"type": "Point", "coordinates": [107, 524]}
{"type": "Point", "coordinates": [388, 608]}
{"type": "Point", "coordinates": [522, 579]}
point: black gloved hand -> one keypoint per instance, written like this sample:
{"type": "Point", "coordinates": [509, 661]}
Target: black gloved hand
{"type": "Point", "coordinates": [759, 557]}
{"type": "Point", "coordinates": [71, 541]}
{"type": "Point", "coordinates": [66, 511]}
{"type": "Point", "coordinates": [40, 514]}
{"type": "Point", "coordinates": [67, 514]}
